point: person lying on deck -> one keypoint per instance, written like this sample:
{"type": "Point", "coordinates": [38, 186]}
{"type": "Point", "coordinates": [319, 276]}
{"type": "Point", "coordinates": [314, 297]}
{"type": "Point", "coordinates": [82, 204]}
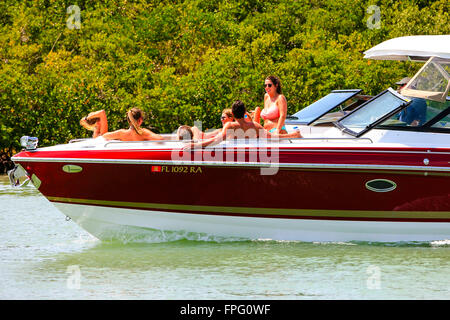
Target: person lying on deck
{"type": "Point", "coordinates": [241, 128]}
{"type": "Point", "coordinates": [193, 133]}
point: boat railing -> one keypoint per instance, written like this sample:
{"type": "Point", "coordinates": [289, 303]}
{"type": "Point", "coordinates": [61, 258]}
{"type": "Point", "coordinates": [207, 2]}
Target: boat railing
{"type": "Point", "coordinates": [79, 140]}
{"type": "Point", "coordinates": [330, 138]}
{"type": "Point", "coordinates": [148, 141]}
{"type": "Point", "coordinates": [246, 141]}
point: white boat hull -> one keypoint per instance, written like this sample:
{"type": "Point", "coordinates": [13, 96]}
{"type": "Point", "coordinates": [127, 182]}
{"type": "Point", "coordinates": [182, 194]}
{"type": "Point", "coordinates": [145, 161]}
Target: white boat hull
{"type": "Point", "coordinates": [108, 223]}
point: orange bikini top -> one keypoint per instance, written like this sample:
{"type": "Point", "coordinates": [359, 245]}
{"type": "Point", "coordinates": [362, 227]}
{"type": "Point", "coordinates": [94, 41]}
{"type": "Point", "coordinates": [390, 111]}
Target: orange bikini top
{"type": "Point", "coordinates": [271, 113]}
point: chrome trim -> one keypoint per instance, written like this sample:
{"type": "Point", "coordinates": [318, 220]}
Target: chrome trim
{"type": "Point", "coordinates": [391, 188]}
{"type": "Point", "coordinates": [147, 141]}
{"type": "Point", "coordinates": [280, 148]}
{"type": "Point", "coordinates": [245, 164]}
{"type": "Point", "coordinates": [398, 95]}
{"type": "Point", "coordinates": [236, 141]}
{"type": "Point", "coordinates": [29, 143]}
{"type": "Point", "coordinates": [80, 139]}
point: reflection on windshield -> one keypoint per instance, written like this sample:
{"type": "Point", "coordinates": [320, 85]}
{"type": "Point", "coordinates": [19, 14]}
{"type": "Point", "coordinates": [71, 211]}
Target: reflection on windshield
{"type": "Point", "coordinates": [360, 120]}
{"type": "Point", "coordinates": [432, 81]}
{"type": "Point", "coordinates": [419, 112]}
{"type": "Point", "coordinates": [324, 105]}
{"type": "Point", "coordinates": [443, 123]}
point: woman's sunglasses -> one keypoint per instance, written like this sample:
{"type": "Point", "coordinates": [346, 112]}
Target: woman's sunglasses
{"type": "Point", "coordinates": [268, 85]}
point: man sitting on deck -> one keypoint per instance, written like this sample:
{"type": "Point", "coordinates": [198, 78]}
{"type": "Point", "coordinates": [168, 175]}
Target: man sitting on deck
{"type": "Point", "coordinates": [240, 128]}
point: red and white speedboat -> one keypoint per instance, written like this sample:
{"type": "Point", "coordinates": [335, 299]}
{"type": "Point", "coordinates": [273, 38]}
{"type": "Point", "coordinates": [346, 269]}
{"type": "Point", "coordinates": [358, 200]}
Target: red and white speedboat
{"type": "Point", "coordinates": [359, 173]}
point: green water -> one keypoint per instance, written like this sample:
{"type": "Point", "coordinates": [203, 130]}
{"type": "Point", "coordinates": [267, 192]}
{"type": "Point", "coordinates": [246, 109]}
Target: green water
{"type": "Point", "coordinates": [43, 256]}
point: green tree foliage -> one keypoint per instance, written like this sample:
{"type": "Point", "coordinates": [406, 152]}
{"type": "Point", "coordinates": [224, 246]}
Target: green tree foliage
{"type": "Point", "coordinates": [182, 61]}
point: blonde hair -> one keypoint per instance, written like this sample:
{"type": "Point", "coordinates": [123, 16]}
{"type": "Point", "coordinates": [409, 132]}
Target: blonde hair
{"type": "Point", "coordinates": [185, 133]}
{"type": "Point", "coordinates": [228, 112]}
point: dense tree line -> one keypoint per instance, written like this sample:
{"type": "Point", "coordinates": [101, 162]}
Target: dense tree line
{"type": "Point", "coordinates": [182, 61]}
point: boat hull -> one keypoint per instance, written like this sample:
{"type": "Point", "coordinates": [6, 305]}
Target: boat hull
{"type": "Point", "coordinates": [309, 198]}
{"type": "Point", "coordinates": [108, 223]}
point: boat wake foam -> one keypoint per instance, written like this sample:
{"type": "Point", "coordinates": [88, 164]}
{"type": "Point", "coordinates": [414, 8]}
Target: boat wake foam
{"type": "Point", "coordinates": [441, 243]}
{"type": "Point", "coordinates": [129, 234]}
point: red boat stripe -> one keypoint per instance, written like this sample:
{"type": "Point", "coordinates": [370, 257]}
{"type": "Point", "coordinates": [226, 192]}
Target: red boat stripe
{"type": "Point", "coordinates": [243, 164]}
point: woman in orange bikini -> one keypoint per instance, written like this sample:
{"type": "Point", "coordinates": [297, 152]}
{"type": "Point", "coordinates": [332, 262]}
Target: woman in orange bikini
{"type": "Point", "coordinates": [275, 107]}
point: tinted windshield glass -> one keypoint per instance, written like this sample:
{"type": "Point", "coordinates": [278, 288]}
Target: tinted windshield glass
{"type": "Point", "coordinates": [370, 113]}
{"type": "Point", "coordinates": [323, 105]}
{"type": "Point", "coordinates": [418, 113]}
{"type": "Point", "coordinates": [444, 123]}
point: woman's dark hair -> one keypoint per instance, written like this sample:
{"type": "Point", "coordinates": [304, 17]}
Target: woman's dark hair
{"type": "Point", "coordinates": [136, 113]}
{"type": "Point", "coordinates": [276, 82]}
{"type": "Point", "coordinates": [92, 121]}
{"type": "Point", "coordinates": [238, 109]}
{"type": "Point", "coordinates": [89, 123]}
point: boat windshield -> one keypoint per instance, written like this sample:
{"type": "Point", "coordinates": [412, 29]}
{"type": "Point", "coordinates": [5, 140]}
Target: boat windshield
{"type": "Point", "coordinates": [421, 115]}
{"type": "Point", "coordinates": [322, 106]}
{"type": "Point", "coordinates": [432, 82]}
{"type": "Point", "coordinates": [443, 123]}
{"type": "Point", "coordinates": [372, 113]}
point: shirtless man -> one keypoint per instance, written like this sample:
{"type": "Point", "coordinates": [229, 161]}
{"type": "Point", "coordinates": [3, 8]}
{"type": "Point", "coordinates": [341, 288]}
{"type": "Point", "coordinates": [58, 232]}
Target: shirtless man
{"type": "Point", "coordinates": [240, 128]}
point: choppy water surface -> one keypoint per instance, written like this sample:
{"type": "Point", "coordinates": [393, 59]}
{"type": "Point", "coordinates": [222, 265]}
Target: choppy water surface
{"type": "Point", "coordinates": [43, 256]}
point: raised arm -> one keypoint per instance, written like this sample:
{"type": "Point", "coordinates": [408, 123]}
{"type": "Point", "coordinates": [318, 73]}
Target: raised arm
{"type": "Point", "coordinates": [282, 106]}
{"type": "Point", "coordinates": [102, 124]}
{"type": "Point", "coordinates": [257, 115]}
{"type": "Point", "coordinates": [97, 122]}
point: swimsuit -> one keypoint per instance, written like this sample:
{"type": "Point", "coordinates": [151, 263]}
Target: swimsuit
{"type": "Point", "coordinates": [275, 129]}
{"type": "Point", "coordinates": [271, 113]}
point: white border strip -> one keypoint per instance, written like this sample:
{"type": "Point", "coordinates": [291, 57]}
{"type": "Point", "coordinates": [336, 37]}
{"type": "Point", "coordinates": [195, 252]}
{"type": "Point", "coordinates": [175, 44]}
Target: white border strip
{"type": "Point", "coordinates": [233, 164]}
{"type": "Point", "coordinates": [338, 149]}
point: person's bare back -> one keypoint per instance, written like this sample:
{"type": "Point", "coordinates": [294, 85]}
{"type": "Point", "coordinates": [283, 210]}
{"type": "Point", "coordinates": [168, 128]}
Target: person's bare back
{"type": "Point", "coordinates": [134, 132]}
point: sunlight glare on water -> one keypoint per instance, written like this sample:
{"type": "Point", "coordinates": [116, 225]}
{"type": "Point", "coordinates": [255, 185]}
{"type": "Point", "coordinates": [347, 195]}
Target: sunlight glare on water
{"type": "Point", "coordinates": [43, 256]}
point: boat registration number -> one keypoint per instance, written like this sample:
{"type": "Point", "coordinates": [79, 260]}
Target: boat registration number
{"type": "Point", "coordinates": [177, 169]}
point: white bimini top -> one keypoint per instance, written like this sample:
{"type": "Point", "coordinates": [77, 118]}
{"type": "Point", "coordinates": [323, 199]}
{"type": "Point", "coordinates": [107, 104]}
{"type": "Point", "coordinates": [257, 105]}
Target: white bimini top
{"type": "Point", "coordinates": [415, 48]}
